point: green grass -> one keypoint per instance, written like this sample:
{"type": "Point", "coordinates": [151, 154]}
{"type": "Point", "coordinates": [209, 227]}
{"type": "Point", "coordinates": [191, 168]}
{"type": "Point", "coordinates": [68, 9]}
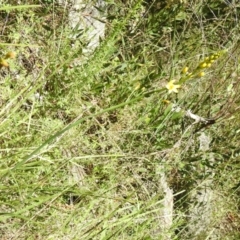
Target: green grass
{"type": "Point", "coordinates": [85, 159]}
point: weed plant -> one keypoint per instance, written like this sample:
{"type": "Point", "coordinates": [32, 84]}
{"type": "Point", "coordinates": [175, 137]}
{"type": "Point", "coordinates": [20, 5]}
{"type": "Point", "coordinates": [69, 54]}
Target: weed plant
{"type": "Point", "coordinates": [86, 140]}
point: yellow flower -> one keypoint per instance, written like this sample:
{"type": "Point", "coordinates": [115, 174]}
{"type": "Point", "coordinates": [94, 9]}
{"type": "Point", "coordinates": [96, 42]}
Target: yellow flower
{"type": "Point", "coordinates": [172, 87]}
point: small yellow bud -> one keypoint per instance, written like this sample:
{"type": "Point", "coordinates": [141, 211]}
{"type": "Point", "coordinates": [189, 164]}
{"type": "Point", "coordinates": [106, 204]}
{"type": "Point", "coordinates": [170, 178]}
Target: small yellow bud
{"type": "Point", "coordinates": [201, 74]}
{"type": "Point", "coordinates": [189, 74]}
{"type": "Point", "coordinates": [203, 65]}
{"type": "Point", "coordinates": [137, 86]}
{"type": "Point", "coordinates": [206, 59]}
{"type": "Point", "coordinates": [209, 65]}
{"type": "Point", "coordinates": [10, 55]}
{"type": "Point", "coordinates": [3, 63]}
{"type": "Point", "coordinates": [212, 61]}
{"type": "Point", "coordinates": [185, 70]}
{"type": "Point", "coordinates": [166, 101]}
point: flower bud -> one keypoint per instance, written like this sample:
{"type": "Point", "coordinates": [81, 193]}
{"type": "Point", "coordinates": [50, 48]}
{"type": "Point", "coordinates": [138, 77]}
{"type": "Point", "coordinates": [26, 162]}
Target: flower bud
{"type": "Point", "coordinates": [201, 74]}
{"type": "Point", "coordinates": [10, 55]}
{"type": "Point", "coordinates": [203, 65]}
{"type": "Point", "coordinates": [3, 63]}
{"type": "Point", "coordinates": [185, 70]}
